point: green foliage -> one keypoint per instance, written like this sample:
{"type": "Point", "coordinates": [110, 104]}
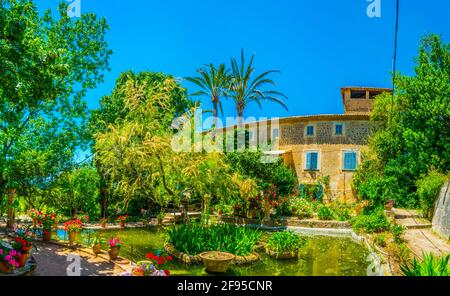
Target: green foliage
{"type": "Point", "coordinates": [285, 241]}
{"type": "Point", "coordinates": [302, 208]}
{"type": "Point", "coordinates": [193, 239]}
{"type": "Point", "coordinates": [397, 231]}
{"type": "Point", "coordinates": [48, 63]}
{"type": "Point", "coordinates": [380, 240]}
{"type": "Point", "coordinates": [76, 191]}
{"type": "Point", "coordinates": [429, 266]}
{"type": "Point", "coordinates": [370, 223]}
{"type": "Point", "coordinates": [411, 135]}
{"type": "Point", "coordinates": [342, 211]}
{"type": "Point", "coordinates": [248, 164]}
{"type": "Point", "coordinates": [245, 87]}
{"type": "Point", "coordinates": [428, 189]}
{"type": "Point", "coordinates": [325, 213]}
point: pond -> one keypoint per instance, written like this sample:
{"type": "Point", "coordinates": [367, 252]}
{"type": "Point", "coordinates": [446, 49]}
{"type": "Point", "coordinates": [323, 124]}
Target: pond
{"type": "Point", "coordinates": [322, 255]}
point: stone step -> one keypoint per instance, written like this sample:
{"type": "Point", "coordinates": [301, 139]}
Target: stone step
{"type": "Point", "coordinates": [407, 216]}
{"type": "Point", "coordinates": [418, 226]}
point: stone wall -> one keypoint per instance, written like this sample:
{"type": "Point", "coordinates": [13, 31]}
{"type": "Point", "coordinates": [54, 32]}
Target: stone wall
{"type": "Point", "coordinates": [330, 148]}
{"type": "Point", "coordinates": [441, 217]}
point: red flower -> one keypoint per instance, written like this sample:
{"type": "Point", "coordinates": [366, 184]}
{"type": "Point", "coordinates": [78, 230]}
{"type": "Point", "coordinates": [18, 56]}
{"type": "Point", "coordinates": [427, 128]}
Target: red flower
{"type": "Point", "coordinates": [169, 258]}
{"type": "Point", "coordinates": [167, 272]}
{"type": "Point", "coordinates": [149, 256]}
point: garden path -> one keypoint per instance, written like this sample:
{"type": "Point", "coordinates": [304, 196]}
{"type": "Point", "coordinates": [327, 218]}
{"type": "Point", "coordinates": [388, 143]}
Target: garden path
{"type": "Point", "coordinates": [52, 260]}
{"type": "Point", "coordinates": [418, 234]}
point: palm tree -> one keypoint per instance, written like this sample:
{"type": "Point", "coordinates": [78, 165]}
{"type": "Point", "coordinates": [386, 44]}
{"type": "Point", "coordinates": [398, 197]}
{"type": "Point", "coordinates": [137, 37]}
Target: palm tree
{"type": "Point", "coordinates": [245, 89]}
{"type": "Point", "coordinates": [213, 83]}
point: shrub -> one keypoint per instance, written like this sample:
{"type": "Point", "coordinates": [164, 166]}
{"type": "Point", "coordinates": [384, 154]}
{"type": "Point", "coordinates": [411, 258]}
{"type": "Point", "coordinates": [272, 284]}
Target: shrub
{"type": "Point", "coordinates": [325, 213]}
{"type": "Point", "coordinates": [397, 231]}
{"type": "Point", "coordinates": [429, 266]}
{"type": "Point", "coordinates": [380, 240]}
{"type": "Point", "coordinates": [302, 208]}
{"type": "Point", "coordinates": [428, 189]}
{"type": "Point", "coordinates": [370, 223]}
{"type": "Point", "coordinates": [342, 211]}
{"type": "Point", "coordinates": [286, 241]}
{"type": "Point", "coordinates": [193, 239]}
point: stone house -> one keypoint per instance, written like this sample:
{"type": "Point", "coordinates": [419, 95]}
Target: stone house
{"type": "Point", "coordinates": [325, 147]}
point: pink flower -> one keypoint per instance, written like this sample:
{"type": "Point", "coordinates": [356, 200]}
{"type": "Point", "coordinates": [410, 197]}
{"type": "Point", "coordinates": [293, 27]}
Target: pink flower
{"type": "Point", "coordinates": [1, 251]}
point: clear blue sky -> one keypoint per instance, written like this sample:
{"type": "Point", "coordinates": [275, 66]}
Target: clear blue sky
{"type": "Point", "coordinates": [318, 45]}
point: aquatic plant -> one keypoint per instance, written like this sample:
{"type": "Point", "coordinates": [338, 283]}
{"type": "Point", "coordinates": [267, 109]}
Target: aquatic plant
{"type": "Point", "coordinates": [286, 241]}
{"type": "Point", "coordinates": [193, 239]}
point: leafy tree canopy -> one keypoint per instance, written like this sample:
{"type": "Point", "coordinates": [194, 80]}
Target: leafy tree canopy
{"type": "Point", "coordinates": [48, 65]}
{"type": "Point", "coordinates": [413, 130]}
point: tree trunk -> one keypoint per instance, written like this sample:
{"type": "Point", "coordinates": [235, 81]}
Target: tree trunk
{"type": "Point", "coordinates": [240, 112]}
{"type": "Point", "coordinates": [103, 202]}
{"type": "Point", "coordinates": [11, 194]}
{"type": "Point", "coordinates": [215, 111]}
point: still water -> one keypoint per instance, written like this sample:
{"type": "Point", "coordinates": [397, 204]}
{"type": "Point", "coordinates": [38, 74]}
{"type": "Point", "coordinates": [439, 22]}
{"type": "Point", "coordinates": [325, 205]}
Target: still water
{"type": "Point", "coordinates": [322, 256]}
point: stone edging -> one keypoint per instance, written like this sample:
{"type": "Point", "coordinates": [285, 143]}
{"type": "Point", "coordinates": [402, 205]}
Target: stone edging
{"type": "Point", "coordinates": [189, 259]}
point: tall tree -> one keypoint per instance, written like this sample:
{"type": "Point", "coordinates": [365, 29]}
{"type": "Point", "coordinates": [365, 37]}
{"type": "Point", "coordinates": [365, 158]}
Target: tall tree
{"type": "Point", "coordinates": [213, 83]}
{"type": "Point", "coordinates": [47, 66]}
{"type": "Point", "coordinates": [246, 88]}
{"type": "Point", "coordinates": [133, 90]}
{"type": "Point", "coordinates": [413, 130]}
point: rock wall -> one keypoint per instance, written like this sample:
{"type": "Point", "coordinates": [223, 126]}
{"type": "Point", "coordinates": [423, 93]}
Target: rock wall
{"type": "Point", "coordinates": [441, 217]}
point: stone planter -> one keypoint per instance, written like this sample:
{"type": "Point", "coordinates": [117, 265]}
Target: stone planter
{"type": "Point", "coordinates": [113, 253]}
{"type": "Point", "coordinates": [282, 255]}
{"type": "Point", "coordinates": [46, 236]}
{"type": "Point", "coordinates": [96, 249]}
{"type": "Point", "coordinates": [5, 268]}
{"type": "Point", "coordinates": [216, 262]}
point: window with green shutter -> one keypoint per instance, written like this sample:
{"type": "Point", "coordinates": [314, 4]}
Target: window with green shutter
{"type": "Point", "coordinates": [350, 160]}
{"type": "Point", "coordinates": [312, 159]}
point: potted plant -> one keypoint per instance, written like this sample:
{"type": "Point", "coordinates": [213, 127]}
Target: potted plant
{"type": "Point", "coordinates": [35, 215]}
{"type": "Point", "coordinates": [22, 244]}
{"type": "Point", "coordinates": [153, 266]}
{"type": "Point", "coordinates": [284, 245]}
{"type": "Point", "coordinates": [46, 221]}
{"type": "Point", "coordinates": [389, 205]}
{"type": "Point", "coordinates": [122, 219]}
{"type": "Point", "coordinates": [9, 259]}
{"type": "Point", "coordinates": [114, 247]}
{"type": "Point", "coordinates": [73, 227]}
{"type": "Point", "coordinates": [103, 222]}
{"type": "Point", "coordinates": [216, 261]}
{"type": "Point", "coordinates": [97, 244]}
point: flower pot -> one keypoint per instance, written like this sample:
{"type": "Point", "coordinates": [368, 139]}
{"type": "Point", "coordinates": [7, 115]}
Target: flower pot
{"type": "Point", "coordinates": [5, 268]}
{"type": "Point", "coordinates": [122, 224]}
{"type": "Point", "coordinates": [137, 272]}
{"type": "Point", "coordinates": [283, 255]}
{"type": "Point", "coordinates": [113, 253]}
{"type": "Point", "coordinates": [103, 224]}
{"type": "Point", "coordinates": [216, 262]}
{"type": "Point", "coordinates": [55, 225]}
{"type": "Point", "coordinates": [72, 238]}
{"type": "Point", "coordinates": [23, 260]}
{"type": "Point", "coordinates": [97, 249]}
{"type": "Point", "coordinates": [46, 236]}
{"type": "Point", "coordinates": [34, 222]}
